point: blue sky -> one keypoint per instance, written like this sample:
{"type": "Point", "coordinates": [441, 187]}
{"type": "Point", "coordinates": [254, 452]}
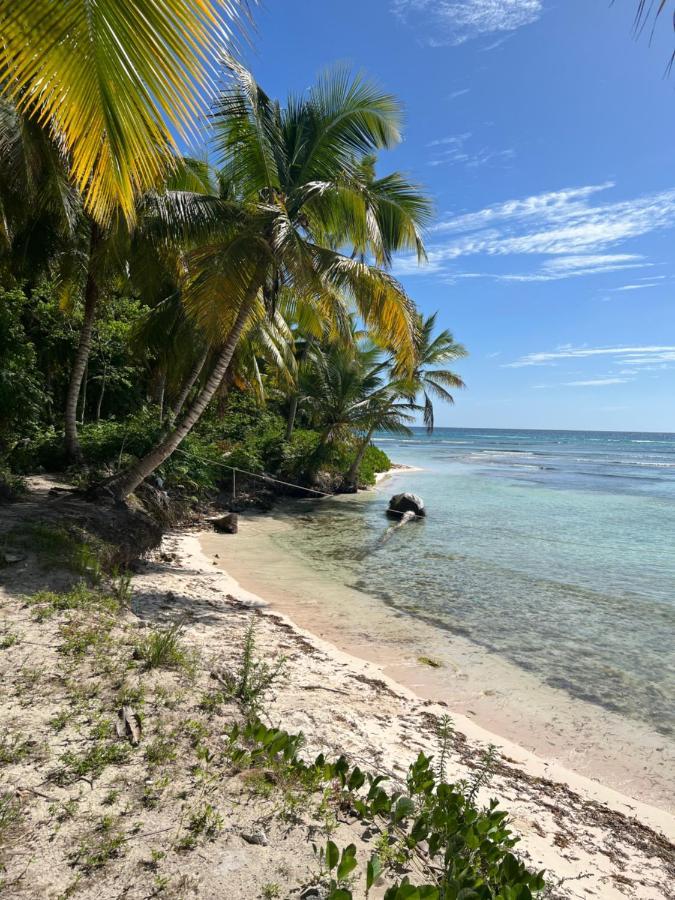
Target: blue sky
{"type": "Point", "coordinates": [544, 131]}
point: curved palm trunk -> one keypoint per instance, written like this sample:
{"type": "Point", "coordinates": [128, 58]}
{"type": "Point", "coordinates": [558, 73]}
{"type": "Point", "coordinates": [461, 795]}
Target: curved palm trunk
{"type": "Point", "coordinates": [128, 481]}
{"type": "Point", "coordinates": [91, 295]}
{"type": "Point", "coordinates": [179, 402]}
{"type": "Point", "coordinates": [354, 468]}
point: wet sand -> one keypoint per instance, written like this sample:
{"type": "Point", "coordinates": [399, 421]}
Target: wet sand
{"type": "Point", "coordinates": [614, 752]}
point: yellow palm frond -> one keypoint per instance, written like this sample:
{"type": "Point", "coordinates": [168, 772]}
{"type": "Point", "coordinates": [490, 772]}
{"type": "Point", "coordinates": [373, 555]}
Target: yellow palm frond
{"type": "Point", "coordinates": [114, 80]}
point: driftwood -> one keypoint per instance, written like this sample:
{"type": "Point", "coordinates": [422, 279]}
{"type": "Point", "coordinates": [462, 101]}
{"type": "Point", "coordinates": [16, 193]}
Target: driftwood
{"type": "Point", "coordinates": [128, 725]}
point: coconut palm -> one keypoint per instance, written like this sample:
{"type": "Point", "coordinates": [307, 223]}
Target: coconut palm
{"type": "Point", "coordinates": [386, 411]}
{"type": "Point", "coordinates": [112, 81]}
{"type": "Point", "coordinates": [298, 196]}
{"type": "Point", "coordinates": [429, 377]}
{"type": "Point", "coordinates": [345, 384]}
{"type": "Point", "coordinates": [109, 82]}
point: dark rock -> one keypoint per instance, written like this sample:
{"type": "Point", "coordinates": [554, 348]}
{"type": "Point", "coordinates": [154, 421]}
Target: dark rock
{"type": "Point", "coordinates": [227, 524]}
{"type": "Point", "coordinates": [403, 503]}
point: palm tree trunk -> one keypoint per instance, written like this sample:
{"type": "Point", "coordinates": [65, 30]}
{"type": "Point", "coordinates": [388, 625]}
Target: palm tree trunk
{"type": "Point", "coordinates": [290, 421]}
{"type": "Point", "coordinates": [354, 468]}
{"type": "Point", "coordinates": [179, 402]}
{"type": "Point", "coordinates": [100, 396]}
{"type": "Point", "coordinates": [83, 392]}
{"type": "Point", "coordinates": [91, 295]}
{"type": "Point", "coordinates": [128, 481]}
{"type": "Point", "coordinates": [160, 395]}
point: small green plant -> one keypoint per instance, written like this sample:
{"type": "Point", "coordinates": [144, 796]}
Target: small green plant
{"type": "Point", "coordinates": [270, 891]}
{"type": "Point", "coordinates": [92, 763]}
{"type": "Point", "coordinates": [445, 733]}
{"type": "Point", "coordinates": [105, 844]}
{"type": "Point", "coordinates": [120, 587]}
{"type": "Point", "coordinates": [8, 639]}
{"type": "Point", "coordinates": [429, 661]}
{"type": "Point", "coordinates": [81, 597]}
{"type": "Point", "coordinates": [161, 751]}
{"type": "Point", "coordinates": [66, 549]}
{"type": "Point", "coordinates": [163, 649]}
{"type": "Point", "coordinates": [211, 701]}
{"type": "Point", "coordinates": [10, 813]}
{"type": "Point", "coordinates": [79, 638]}
{"type": "Point", "coordinates": [14, 749]}
{"type": "Point", "coordinates": [250, 685]}
{"type": "Point", "coordinates": [204, 822]}
{"type": "Point", "coordinates": [60, 720]}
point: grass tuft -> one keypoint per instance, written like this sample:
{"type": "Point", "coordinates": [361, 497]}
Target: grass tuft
{"type": "Point", "coordinates": [163, 649]}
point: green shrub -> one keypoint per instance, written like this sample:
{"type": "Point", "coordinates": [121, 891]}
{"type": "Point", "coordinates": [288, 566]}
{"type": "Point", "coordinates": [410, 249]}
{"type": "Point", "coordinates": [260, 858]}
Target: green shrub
{"type": "Point", "coordinates": [374, 460]}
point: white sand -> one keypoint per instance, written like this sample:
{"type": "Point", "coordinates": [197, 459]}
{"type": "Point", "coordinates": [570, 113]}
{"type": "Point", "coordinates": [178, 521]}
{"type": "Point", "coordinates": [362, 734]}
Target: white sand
{"type": "Point", "coordinates": [571, 825]}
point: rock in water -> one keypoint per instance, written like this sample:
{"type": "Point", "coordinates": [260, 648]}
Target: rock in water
{"type": "Point", "coordinates": [403, 503]}
{"type": "Point", "coordinates": [227, 524]}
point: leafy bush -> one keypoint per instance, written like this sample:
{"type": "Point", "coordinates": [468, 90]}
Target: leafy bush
{"type": "Point", "coordinates": [374, 460]}
{"type": "Point", "coordinates": [459, 849]}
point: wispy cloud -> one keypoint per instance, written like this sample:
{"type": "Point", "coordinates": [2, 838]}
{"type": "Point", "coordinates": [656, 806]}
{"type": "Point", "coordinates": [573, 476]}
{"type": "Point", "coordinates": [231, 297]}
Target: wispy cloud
{"type": "Point", "coordinates": [569, 230]}
{"type": "Point", "coordinates": [632, 356]}
{"type": "Point", "coordinates": [460, 93]}
{"type": "Point", "coordinates": [567, 267]}
{"type": "Point", "coordinates": [636, 287]}
{"type": "Point", "coordinates": [596, 382]}
{"type": "Point", "coordinates": [457, 21]}
{"type": "Point", "coordinates": [459, 149]}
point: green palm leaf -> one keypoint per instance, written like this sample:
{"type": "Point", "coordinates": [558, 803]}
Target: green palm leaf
{"type": "Point", "coordinates": [113, 79]}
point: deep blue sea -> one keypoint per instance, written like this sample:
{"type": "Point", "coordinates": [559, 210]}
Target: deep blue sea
{"type": "Point", "coordinates": [554, 549]}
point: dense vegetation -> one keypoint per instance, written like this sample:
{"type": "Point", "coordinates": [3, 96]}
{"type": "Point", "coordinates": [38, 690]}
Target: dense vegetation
{"type": "Point", "coordinates": [143, 309]}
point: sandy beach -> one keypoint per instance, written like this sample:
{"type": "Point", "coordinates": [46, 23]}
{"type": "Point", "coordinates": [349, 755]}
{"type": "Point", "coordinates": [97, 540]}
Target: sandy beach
{"type": "Point", "coordinates": [584, 832]}
{"type": "Point", "coordinates": [500, 699]}
{"type": "Point", "coordinates": [592, 839]}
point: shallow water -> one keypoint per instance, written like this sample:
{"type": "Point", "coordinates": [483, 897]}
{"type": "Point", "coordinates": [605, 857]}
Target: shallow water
{"type": "Point", "coordinates": [551, 549]}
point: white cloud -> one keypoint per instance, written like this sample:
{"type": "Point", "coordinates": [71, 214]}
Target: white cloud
{"type": "Point", "coordinates": [635, 287]}
{"type": "Point", "coordinates": [456, 150]}
{"type": "Point", "coordinates": [595, 382]}
{"type": "Point", "coordinates": [569, 230]}
{"type": "Point", "coordinates": [631, 356]}
{"type": "Point", "coordinates": [456, 21]}
{"type": "Point", "coordinates": [455, 94]}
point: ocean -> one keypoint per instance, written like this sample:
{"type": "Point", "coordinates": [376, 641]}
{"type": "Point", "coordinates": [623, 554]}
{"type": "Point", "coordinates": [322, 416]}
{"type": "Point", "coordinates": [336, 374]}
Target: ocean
{"type": "Point", "coordinates": [552, 549]}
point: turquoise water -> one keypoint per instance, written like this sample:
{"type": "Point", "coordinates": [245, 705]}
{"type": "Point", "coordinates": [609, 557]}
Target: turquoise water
{"type": "Point", "coordinates": [555, 550]}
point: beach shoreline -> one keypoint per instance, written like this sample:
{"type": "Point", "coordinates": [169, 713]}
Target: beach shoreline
{"type": "Point", "coordinates": [592, 837]}
{"type": "Point", "coordinates": [567, 736]}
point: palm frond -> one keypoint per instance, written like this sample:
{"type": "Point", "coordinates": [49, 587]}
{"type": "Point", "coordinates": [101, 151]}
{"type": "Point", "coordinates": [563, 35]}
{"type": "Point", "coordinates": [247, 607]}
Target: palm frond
{"type": "Point", "coordinates": [113, 80]}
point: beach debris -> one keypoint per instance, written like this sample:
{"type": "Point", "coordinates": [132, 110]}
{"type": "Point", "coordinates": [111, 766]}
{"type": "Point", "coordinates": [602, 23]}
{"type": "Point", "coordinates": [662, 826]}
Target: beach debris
{"type": "Point", "coordinates": [227, 524]}
{"type": "Point", "coordinates": [255, 836]}
{"type": "Point", "coordinates": [400, 504]}
{"type": "Point", "coordinates": [128, 725]}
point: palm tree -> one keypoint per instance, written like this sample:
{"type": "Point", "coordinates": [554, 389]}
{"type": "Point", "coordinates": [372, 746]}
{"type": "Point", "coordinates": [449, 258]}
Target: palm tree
{"type": "Point", "coordinates": [298, 196]}
{"type": "Point", "coordinates": [109, 82]}
{"type": "Point", "coordinates": [112, 81]}
{"type": "Point", "coordinates": [388, 412]}
{"type": "Point", "coordinates": [343, 385]}
{"type": "Point", "coordinates": [312, 324]}
{"type": "Point", "coordinates": [428, 376]}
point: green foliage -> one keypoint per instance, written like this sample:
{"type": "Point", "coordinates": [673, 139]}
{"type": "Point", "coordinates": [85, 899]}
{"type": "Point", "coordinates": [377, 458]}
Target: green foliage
{"type": "Point", "coordinates": [66, 548]}
{"type": "Point", "coordinates": [12, 487]}
{"type": "Point", "coordinates": [21, 384]}
{"type": "Point", "coordinates": [10, 815]}
{"type": "Point", "coordinates": [462, 850]}
{"type": "Point", "coordinates": [254, 679]}
{"type": "Point", "coordinates": [374, 461]}
{"type": "Point", "coordinates": [96, 759]}
{"type": "Point", "coordinates": [163, 649]}
{"type": "Point", "coordinates": [46, 603]}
